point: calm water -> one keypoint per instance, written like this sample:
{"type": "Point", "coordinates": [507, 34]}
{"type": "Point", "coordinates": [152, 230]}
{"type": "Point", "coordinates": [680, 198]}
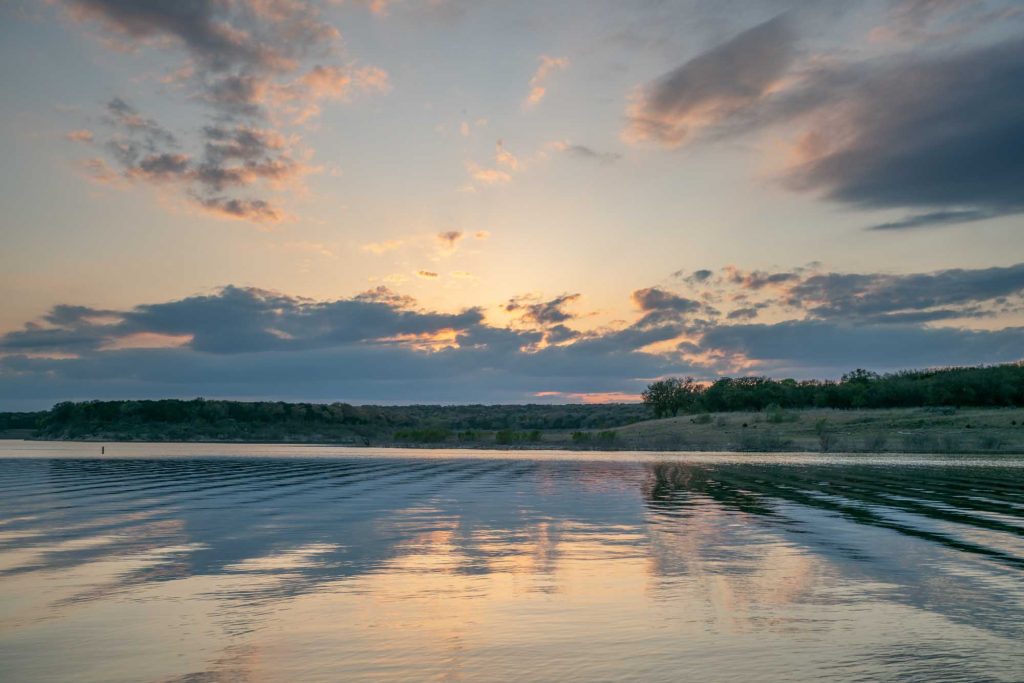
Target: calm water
{"type": "Point", "coordinates": [259, 563]}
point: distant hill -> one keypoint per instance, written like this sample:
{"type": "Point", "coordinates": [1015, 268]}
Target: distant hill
{"type": "Point", "coordinates": [274, 421]}
{"type": "Point", "coordinates": [206, 420]}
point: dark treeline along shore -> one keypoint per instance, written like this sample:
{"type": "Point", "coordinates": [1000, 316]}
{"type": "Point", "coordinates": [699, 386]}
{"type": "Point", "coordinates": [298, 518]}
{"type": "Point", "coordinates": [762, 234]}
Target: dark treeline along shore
{"type": "Point", "coordinates": [977, 409]}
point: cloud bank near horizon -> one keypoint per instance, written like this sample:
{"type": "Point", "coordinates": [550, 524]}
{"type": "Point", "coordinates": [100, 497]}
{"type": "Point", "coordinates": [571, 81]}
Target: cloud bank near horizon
{"type": "Point", "coordinates": [379, 346]}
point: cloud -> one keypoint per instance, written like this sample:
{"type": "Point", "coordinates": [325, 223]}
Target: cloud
{"type": "Point", "coordinates": [381, 345]}
{"type": "Point", "coordinates": [831, 346]}
{"type": "Point", "coordinates": [933, 21]}
{"type": "Point", "coordinates": [232, 157]}
{"type": "Point", "coordinates": [506, 163]}
{"type": "Point", "coordinates": [656, 299]}
{"type": "Point", "coordinates": [449, 238]}
{"type": "Point", "coordinates": [758, 279]}
{"type": "Point", "coordinates": [254, 210]}
{"type": "Point", "coordinates": [219, 35]}
{"type": "Point", "coordinates": [585, 153]}
{"type": "Point", "coordinates": [504, 157]}
{"type": "Point", "coordinates": [938, 134]}
{"type": "Point", "coordinates": [934, 133]}
{"type": "Point", "coordinates": [98, 171]}
{"type": "Point", "coordinates": [538, 87]}
{"type": "Point", "coordinates": [80, 135]}
{"type": "Point", "coordinates": [248, 342]}
{"type": "Point", "coordinates": [875, 296]}
{"type": "Point", "coordinates": [487, 176]}
{"type": "Point", "coordinates": [543, 313]}
{"type": "Point", "coordinates": [660, 307]}
{"type": "Point", "coordinates": [714, 87]}
{"type": "Point", "coordinates": [257, 65]}
{"type": "Point", "coordinates": [383, 247]}
{"type": "Point", "coordinates": [936, 218]}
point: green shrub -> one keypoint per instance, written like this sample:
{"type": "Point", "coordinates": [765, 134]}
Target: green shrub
{"type": "Point", "coordinates": [424, 435]}
{"type": "Point", "coordinates": [510, 436]}
{"type": "Point", "coordinates": [776, 414]}
{"type": "Point", "coordinates": [990, 442]}
{"type": "Point", "coordinates": [825, 436]}
{"type": "Point", "coordinates": [876, 442]}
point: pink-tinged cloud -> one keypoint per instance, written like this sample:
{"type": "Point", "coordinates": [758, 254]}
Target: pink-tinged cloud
{"type": "Point", "coordinates": [256, 66]}
{"type": "Point", "coordinates": [538, 83]}
{"type": "Point", "coordinates": [383, 247]}
{"type": "Point", "coordinates": [81, 135]}
{"type": "Point", "coordinates": [592, 397]}
{"type": "Point", "coordinates": [487, 176]}
{"type": "Point", "coordinates": [713, 88]}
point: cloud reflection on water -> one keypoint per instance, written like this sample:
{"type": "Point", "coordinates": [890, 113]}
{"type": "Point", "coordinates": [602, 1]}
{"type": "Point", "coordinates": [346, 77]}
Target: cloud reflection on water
{"type": "Point", "coordinates": [402, 567]}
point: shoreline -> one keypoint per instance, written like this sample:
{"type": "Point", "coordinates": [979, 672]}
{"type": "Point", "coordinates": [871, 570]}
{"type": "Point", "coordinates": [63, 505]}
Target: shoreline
{"type": "Point", "coordinates": [496, 448]}
{"type": "Point", "coordinates": [978, 431]}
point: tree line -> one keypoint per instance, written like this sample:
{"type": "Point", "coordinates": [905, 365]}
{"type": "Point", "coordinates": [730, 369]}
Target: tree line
{"type": "Point", "coordinates": [992, 386]}
{"type": "Point", "coordinates": [202, 419]}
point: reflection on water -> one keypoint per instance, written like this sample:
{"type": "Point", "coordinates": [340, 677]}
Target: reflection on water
{"type": "Point", "coordinates": [359, 565]}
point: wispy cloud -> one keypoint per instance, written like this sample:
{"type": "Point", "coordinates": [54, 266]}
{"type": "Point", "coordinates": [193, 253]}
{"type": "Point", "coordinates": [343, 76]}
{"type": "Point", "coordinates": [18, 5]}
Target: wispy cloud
{"type": "Point", "coordinates": [584, 152]}
{"type": "Point", "coordinates": [80, 135]}
{"type": "Point", "coordinates": [538, 83]}
{"type": "Point", "coordinates": [487, 176]}
{"type": "Point", "coordinates": [383, 247]}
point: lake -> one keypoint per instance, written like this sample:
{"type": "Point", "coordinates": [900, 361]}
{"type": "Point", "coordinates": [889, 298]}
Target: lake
{"type": "Point", "coordinates": [200, 563]}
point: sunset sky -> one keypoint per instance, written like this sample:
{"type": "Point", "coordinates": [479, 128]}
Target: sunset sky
{"type": "Point", "coordinates": [391, 201]}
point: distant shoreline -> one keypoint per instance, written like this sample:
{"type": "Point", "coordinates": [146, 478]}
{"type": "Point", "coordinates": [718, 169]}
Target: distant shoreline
{"type": "Point", "coordinates": [910, 430]}
{"type": "Point", "coordinates": [981, 431]}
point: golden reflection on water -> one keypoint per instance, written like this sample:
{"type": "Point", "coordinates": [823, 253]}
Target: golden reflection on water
{"type": "Point", "coordinates": [506, 570]}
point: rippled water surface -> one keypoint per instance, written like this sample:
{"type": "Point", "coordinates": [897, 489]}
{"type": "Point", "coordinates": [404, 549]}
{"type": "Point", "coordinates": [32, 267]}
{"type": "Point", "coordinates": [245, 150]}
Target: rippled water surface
{"type": "Point", "coordinates": [274, 563]}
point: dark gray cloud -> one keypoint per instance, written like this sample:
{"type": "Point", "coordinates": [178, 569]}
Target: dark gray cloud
{"type": "Point", "coordinates": [657, 299]}
{"type": "Point", "coordinates": [746, 313]}
{"type": "Point", "coordinates": [232, 157]}
{"type": "Point", "coordinates": [935, 133]}
{"type": "Point", "coordinates": [449, 238]}
{"type": "Point", "coordinates": [759, 279]}
{"type": "Point", "coordinates": [809, 346]}
{"type": "Point", "coordinates": [551, 312]}
{"type": "Point", "coordinates": [220, 35]}
{"type": "Point", "coordinates": [590, 154]}
{"type": "Point", "coordinates": [239, 320]}
{"type": "Point", "coordinates": [935, 219]}
{"type": "Point", "coordinates": [939, 134]}
{"type": "Point", "coordinates": [660, 306]}
{"type": "Point", "coordinates": [246, 342]}
{"type": "Point", "coordinates": [380, 346]}
{"type": "Point", "coordinates": [716, 86]}
{"type": "Point", "coordinates": [152, 135]}
{"type": "Point", "coordinates": [939, 295]}
{"type": "Point", "coordinates": [250, 63]}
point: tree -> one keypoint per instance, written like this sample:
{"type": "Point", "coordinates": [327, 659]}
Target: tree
{"type": "Point", "coordinates": [669, 396]}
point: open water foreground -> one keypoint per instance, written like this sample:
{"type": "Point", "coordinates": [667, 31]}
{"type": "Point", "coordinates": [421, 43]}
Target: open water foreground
{"type": "Point", "coordinates": [199, 562]}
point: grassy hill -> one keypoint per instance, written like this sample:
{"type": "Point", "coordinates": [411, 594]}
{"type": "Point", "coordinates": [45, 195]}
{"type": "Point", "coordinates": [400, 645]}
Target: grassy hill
{"type": "Point", "coordinates": [922, 430]}
{"type": "Point", "coordinates": [974, 409]}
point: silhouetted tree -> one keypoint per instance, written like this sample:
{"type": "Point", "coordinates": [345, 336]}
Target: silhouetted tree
{"type": "Point", "coordinates": [669, 396]}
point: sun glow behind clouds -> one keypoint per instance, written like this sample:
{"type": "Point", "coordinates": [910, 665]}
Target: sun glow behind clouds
{"type": "Point", "coordinates": [476, 155]}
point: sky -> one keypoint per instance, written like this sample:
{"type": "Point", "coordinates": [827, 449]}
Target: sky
{"type": "Point", "coordinates": [442, 201]}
